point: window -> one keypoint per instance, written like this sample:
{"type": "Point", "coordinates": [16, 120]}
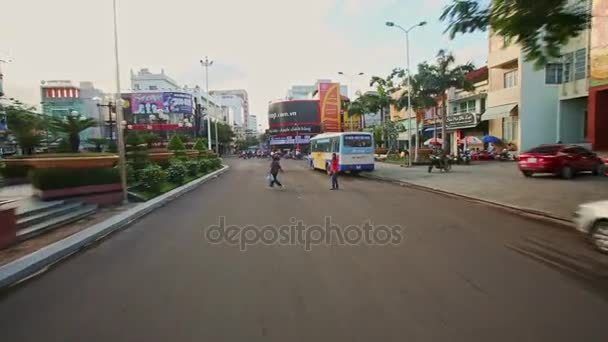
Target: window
{"type": "Point", "coordinates": [511, 79]}
{"type": "Point", "coordinates": [356, 140]}
{"type": "Point", "coordinates": [153, 88]}
{"type": "Point", "coordinates": [483, 105]}
{"type": "Point", "coordinates": [551, 149]}
{"type": "Point", "coordinates": [136, 87]}
{"type": "Point", "coordinates": [510, 128]}
{"type": "Point", "coordinates": [463, 107]}
{"type": "Point", "coordinates": [580, 64]}
{"type": "Point", "coordinates": [568, 60]}
{"type": "Point", "coordinates": [471, 106]}
{"type": "Point", "coordinates": [554, 73]}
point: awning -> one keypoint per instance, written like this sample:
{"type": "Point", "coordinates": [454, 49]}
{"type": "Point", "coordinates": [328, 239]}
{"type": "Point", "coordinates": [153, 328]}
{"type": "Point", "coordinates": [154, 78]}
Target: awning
{"type": "Point", "coordinates": [498, 112]}
{"type": "Point", "coordinates": [431, 129]}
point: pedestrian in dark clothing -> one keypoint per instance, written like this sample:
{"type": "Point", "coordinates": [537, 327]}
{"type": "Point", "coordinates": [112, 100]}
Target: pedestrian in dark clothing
{"type": "Point", "coordinates": [334, 169]}
{"type": "Point", "coordinates": [275, 167]}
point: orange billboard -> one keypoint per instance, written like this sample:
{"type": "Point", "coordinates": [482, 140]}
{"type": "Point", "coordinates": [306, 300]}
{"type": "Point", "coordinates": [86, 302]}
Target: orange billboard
{"type": "Point", "coordinates": [330, 106]}
{"type": "Point", "coordinates": [599, 43]}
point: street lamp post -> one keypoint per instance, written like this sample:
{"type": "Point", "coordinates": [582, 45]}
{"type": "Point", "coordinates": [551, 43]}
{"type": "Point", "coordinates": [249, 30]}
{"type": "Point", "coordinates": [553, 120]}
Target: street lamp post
{"type": "Point", "coordinates": [409, 90]}
{"type": "Point", "coordinates": [119, 116]}
{"type": "Point", "coordinates": [207, 63]}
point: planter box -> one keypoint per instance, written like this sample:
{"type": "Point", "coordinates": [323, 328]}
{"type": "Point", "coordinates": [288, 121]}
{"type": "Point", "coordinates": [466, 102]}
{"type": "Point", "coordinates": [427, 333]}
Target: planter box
{"type": "Point", "coordinates": [160, 156]}
{"type": "Point", "coordinates": [8, 227]}
{"type": "Point", "coordinates": [77, 191]}
{"type": "Point", "coordinates": [66, 162]}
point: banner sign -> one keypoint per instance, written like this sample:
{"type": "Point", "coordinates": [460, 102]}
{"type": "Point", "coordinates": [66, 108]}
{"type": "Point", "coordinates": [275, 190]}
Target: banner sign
{"type": "Point", "coordinates": [461, 120]}
{"type": "Point", "coordinates": [330, 106]}
{"type": "Point", "coordinates": [293, 117]}
{"type": "Point", "coordinates": [146, 103]}
{"type": "Point", "coordinates": [180, 103]}
{"type": "Point", "coordinates": [290, 140]}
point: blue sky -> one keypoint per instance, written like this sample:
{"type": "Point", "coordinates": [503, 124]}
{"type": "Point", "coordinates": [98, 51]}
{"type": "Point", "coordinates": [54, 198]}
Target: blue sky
{"type": "Point", "coordinates": [262, 46]}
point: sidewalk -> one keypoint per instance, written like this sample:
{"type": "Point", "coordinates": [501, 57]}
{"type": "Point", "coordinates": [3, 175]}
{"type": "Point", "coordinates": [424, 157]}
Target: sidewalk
{"type": "Point", "coordinates": [501, 182]}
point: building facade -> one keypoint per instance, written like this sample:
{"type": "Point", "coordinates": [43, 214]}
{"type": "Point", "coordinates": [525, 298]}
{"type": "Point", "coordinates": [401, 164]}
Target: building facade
{"type": "Point", "coordinates": [238, 100]}
{"type": "Point", "coordinates": [307, 92]}
{"type": "Point", "coordinates": [465, 109]}
{"type": "Point", "coordinates": [145, 80]}
{"type": "Point", "coordinates": [252, 130]}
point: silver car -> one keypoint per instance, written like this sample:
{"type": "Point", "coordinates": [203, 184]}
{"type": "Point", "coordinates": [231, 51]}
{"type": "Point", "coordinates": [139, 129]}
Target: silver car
{"type": "Point", "coordinates": [592, 219]}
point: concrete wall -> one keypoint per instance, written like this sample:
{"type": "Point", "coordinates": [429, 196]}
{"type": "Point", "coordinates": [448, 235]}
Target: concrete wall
{"type": "Point", "coordinates": [572, 120]}
{"type": "Point", "coordinates": [537, 109]}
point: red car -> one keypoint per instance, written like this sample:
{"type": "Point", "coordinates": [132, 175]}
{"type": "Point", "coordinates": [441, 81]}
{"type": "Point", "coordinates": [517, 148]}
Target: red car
{"type": "Point", "coordinates": [563, 160]}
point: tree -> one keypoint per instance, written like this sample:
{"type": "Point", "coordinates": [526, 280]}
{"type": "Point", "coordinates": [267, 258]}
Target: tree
{"type": "Point", "coordinates": [150, 138]}
{"type": "Point", "coordinates": [176, 144]}
{"type": "Point", "coordinates": [71, 126]}
{"type": "Point", "coordinates": [25, 125]}
{"type": "Point", "coordinates": [200, 145]}
{"type": "Point", "coordinates": [435, 80]}
{"type": "Point", "coordinates": [541, 27]}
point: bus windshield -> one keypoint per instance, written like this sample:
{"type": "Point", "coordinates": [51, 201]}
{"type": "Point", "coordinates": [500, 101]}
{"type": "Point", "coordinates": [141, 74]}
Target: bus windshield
{"type": "Point", "coordinates": [357, 140]}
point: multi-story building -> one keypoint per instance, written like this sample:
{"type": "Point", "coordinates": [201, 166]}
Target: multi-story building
{"type": "Point", "coordinates": [252, 129]}
{"type": "Point", "coordinates": [144, 80]}
{"type": "Point", "coordinates": [597, 122]}
{"type": "Point", "coordinates": [61, 98]}
{"type": "Point", "coordinates": [238, 100]}
{"type": "Point", "coordinates": [521, 106]}
{"type": "Point", "coordinates": [307, 92]}
{"type": "Point", "coordinates": [466, 107]}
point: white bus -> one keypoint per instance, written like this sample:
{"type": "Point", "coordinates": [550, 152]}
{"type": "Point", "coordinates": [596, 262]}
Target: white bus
{"type": "Point", "coordinates": [355, 151]}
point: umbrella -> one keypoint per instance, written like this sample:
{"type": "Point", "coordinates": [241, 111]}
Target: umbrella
{"type": "Point", "coordinates": [434, 141]}
{"type": "Point", "coordinates": [491, 139]}
{"type": "Point", "coordinates": [471, 140]}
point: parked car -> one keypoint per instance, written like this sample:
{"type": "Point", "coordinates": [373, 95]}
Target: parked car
{"type": "Point", "coordinates": [592, 219]}
{"type": "Point", "coordinates": [563, 160]}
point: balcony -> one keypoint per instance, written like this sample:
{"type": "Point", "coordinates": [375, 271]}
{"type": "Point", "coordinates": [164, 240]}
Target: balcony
{"type": "Point", "coordinates": [503, 96]}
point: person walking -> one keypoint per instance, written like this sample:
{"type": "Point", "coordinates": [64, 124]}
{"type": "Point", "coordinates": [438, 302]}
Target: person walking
{"type": "Point", "coordinates": [275, 167]}
{"type": "Point", "coordinates": [334, 169]}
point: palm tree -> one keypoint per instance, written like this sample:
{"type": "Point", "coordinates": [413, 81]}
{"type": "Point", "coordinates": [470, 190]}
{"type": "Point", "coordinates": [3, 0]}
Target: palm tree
{"type": "Point", "coordinates": [435, 80]}
{"type": "Point", "coordinates": [71, 126]}
{"type": "Point", "coordinates": [24, 125]}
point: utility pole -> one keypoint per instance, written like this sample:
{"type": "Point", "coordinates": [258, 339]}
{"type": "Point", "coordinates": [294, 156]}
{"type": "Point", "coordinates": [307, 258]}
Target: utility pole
{"type": "Point", "coordinates": [119, 116]}
{"type": "Point", "coordinates": [207, 63]}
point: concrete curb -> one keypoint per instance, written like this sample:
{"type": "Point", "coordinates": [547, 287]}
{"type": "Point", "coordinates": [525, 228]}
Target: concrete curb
{"type": "Point", "coordinates": [526, 212]}
{"type": "Point", "coordinates": [37, 262]}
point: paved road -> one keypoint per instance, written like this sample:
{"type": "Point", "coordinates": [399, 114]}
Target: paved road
{"type": "Point", "coordinates": [456, 275]}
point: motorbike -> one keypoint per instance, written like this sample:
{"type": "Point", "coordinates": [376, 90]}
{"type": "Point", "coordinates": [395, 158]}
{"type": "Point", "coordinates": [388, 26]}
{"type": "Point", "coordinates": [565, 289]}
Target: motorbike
{"type": "Point", "coordinates": [465, 158]}
{"type": "Point", "coordinates": [442, 163]}
{"type": "Point", "coordinates": [505, 155]}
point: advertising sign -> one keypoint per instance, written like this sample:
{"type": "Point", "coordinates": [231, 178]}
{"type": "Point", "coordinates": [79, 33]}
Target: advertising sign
{"type": "Point", "coordinates": [290, 140]}
{"type": "Point", "coordinates": [179, 103]}
{"type": "Point", "coordinates": [293, 117]}
{"type": "Point", "coordinates": [126, 107]}
{"type": "Point", "coordinates": [146, 103]}
{"type": "Point", "coordinates": [599, 43]}
{"type": "Point", "coordinates": [330, 106]}
{"type": "Point", "coordinates": [461, 120]}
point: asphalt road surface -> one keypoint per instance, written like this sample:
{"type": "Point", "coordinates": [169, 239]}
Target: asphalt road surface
{"type": "Point", "coordinates": [459, 273]}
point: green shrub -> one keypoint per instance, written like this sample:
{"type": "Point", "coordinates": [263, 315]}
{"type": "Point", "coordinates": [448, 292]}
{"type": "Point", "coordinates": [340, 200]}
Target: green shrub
{"type": "Point", "coordinates": [15, 171]}
{"type": "Point", "coordinates": [138, 158]}
{"type": "Point", "coordinates": [175, 144]}
{"type": "Point", "coordinates": [152, 177]}
{"type": "Point", "coordinates": [133, 139]}
{"type": "Point", "coordinates": [204, 165]}
{"type": "Point", "coordinates": [58, 178]}
{"type": "Point", "coordinates": [177, 171]}
{"type": "Point", "coordinates": [132, 174]}
{"type": "Point", "coordinates": [192, 167]}
{"type": "Point", "coordinates": [200, 145]}
{"type": "Point", "coordinates": [215, 163]}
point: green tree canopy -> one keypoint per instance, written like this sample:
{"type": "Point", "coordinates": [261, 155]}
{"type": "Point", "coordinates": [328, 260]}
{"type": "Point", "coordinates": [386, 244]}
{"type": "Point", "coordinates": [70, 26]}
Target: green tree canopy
{"type": "Point", "coordinates": [24, 125]}
{"type": "Point", "coordinates": [541, 27]}
{"type": "Point", "coordinates": [71, 126]}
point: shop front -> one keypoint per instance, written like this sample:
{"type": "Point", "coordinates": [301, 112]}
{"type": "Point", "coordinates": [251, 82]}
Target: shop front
{"type": "Point", "coordinates": [459, 126]}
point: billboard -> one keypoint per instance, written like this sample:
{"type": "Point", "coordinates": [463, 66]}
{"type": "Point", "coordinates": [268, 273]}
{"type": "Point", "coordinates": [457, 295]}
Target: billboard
{"type": "Point", "coordinates": [169, 102]}
{"type": "Point", "coordinates": [330, 104]}
{"type": "Point", "coordinates": [599, 43]}
{"type": "Point", "coordinates": [294, 117]}
{"type": "Point", "coordinates": [179, 103]}
{"type": "Point", "coordinates": [146, 103]}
